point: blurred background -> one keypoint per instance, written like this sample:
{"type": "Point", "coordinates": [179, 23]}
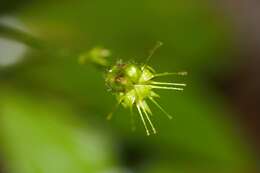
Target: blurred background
{"type": "Point", "coordinates": [53, 110]}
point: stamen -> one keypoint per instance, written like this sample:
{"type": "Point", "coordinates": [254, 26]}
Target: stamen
{"type": "Point", "coordinates": [183, 73]}
{"type": "Point", "coordinates": [165, 83]}
{"type": "Point", "coordinates": [148, 118]}
{"type": "Point", "coordinates": [166, 88]}
{"type": "Point", "coordinates": [159, 106]}
{"type": "Point", "coordinates": [110, 115]}
{"type": "Point", "coordinates": [151, 53]}
{"type": "Point", "coordinates": [142, 118]}
{"type": "Point", "coordinates": [132, 119]}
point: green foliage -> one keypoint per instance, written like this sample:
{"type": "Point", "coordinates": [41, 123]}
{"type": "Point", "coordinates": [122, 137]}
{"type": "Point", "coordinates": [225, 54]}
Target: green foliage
{"type": "Point", "coordinates": [43, 134]}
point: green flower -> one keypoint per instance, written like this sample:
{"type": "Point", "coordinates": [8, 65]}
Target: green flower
{"type": "Point", "coordinates": [96, 55]}
{"type": "Point", "coordinates": [133, 85]}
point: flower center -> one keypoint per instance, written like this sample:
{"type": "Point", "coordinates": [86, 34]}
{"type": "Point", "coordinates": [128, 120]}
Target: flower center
{"type": "Point", "coordinates": [123, 77]}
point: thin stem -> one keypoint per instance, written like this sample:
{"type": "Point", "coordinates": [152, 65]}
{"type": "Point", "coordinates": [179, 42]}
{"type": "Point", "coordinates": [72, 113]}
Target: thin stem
{"type": "Point", "coordinates": [36, 43]}
{"type": "Point", "coordinates": [21, 36]}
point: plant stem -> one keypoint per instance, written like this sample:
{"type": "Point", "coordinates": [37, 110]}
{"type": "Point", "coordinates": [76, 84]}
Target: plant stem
{"type": "Point", "coordinates": [33, 42]}
{"type": "Point", "coordinates": [42, 46]}
{"type": "Point", "coordinates": [21, 36]}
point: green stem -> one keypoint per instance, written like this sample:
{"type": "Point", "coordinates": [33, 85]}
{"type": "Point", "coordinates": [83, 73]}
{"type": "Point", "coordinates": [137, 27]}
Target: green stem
{"type": "Point", "coordinates": [21, 36]}
{"type": "Point", "coordinates": [36, 43]}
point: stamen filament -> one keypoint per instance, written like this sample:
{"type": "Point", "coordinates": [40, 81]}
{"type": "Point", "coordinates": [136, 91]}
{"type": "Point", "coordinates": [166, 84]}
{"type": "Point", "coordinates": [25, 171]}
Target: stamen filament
{"type": "Point", "coordinates": [184, 73]}
{"type": "Point", "coordinates": [165, 83]}
{"type": "Point", "coordinates": [151, 53]}
{"type": "Point", "coordinates": [148, 118]}
{"type": "Point", "coordinates": [110, 115]}
{"type": "Point", "coordinates": [132, 119]}
{"type": "Point", "coordinates": [142, 118]}
{"type": "Point", "coordinates": [166, 88]}
{"type": "Point", "coordinates": [159, 106]}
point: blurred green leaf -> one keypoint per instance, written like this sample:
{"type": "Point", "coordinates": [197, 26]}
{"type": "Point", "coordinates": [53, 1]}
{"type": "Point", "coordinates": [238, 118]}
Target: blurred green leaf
{"type": "Point", "coordinates": [43, 135]}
